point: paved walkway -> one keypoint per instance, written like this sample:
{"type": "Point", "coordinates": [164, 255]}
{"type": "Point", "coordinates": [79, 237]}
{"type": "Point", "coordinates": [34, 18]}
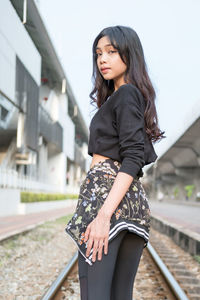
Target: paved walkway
{"type": "Point", "coordinates": [186, 216]}
{"type": "Point", "coordinates": [12, 225]}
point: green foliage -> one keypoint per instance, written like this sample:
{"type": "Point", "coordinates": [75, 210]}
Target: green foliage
{"type": "Point", "coordinates": [197, 258]}
{"type": "Point", "coordinates": [189, 189]}
{"type": "Point", "coordinates": [60, 220]}
{"type": "Point", "coordinates": [64, 219]}
{"type": "Point", "coordinates": [176, 191]}
{"type": "Point", "coordinates": [27, 197]}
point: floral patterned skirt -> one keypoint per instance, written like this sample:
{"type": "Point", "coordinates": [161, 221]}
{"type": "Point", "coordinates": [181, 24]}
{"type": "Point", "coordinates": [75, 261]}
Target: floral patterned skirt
{"type": "Point", "coordinates": [132, 213]}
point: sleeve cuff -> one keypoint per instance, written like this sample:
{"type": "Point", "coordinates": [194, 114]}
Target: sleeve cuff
{"type": "Point", "coordinates": [130, 167]}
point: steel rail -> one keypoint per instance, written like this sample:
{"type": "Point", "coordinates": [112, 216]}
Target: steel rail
{"type": "Point", "coordinates": [173, 284]}
{"type": "Point", "coordinates": [171, 281]}
{"type": "Point", "coordinates": [59, 280]}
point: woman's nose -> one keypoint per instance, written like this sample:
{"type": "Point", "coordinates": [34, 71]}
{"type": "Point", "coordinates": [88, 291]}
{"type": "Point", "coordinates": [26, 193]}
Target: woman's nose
{"type": "Point", "coordinates": [103, 57]}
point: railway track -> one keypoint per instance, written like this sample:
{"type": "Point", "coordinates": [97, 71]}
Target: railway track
{"type": "Point", "coordinates": [154, 279]}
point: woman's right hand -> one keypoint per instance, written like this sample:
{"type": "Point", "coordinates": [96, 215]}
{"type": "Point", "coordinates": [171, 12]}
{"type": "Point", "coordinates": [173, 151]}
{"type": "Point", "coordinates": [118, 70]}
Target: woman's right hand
{"type": "Point", "coordinates": [97, 234]}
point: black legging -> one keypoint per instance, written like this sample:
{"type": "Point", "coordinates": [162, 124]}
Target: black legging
{"type": "Point", "coordinates": [112, 278]}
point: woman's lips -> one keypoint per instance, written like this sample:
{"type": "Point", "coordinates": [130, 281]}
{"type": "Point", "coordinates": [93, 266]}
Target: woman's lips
{"type": "Point", "coordinates": [105, 70]}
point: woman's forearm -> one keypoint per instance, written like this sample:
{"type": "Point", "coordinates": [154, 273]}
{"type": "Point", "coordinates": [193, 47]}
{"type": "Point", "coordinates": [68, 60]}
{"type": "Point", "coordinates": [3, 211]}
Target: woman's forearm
{"type": "Point", "coordinates": [120, 187]}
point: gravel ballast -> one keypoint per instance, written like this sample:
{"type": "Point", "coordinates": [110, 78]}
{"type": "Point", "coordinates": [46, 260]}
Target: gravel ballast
{"type": "Point", "coordinates": [30, 262]}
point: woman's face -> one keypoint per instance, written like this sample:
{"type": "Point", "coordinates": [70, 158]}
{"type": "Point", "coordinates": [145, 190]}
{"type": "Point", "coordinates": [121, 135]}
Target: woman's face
{"type": "Point", "coordinates": [109, 62]}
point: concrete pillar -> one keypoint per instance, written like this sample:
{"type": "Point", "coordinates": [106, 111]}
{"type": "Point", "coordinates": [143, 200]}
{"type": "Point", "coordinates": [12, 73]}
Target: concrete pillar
{"type": "Point", "coordinates": [57, 171]}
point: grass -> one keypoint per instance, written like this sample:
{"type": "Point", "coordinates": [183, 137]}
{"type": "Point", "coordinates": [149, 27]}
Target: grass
{"type": "Point", "coordinates": [11, 243]}
{"type": "Point", "coordinates": [62, 220]}
{"type": "Point", "coordinates": [197, 258]}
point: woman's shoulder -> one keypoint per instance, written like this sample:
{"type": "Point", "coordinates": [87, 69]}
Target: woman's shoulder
{"type": "Point", "coordinates": [127, 93]}
{"type": "Point", "coordinates": [124, 88]}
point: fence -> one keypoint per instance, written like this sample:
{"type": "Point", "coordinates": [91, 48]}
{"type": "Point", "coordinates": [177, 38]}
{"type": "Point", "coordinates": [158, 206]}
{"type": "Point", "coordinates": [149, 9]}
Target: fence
{"type": "Point", "coordinates": [11, 179]}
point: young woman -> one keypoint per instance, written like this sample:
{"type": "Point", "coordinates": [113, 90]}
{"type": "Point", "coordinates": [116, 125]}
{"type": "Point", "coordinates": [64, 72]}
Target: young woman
{"type": "Point", "coordinates": [112, 219]}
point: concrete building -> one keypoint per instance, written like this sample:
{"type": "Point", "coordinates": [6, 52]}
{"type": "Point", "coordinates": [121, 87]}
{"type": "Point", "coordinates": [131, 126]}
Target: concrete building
{"type": "Point", "coordinates": [43, 136]}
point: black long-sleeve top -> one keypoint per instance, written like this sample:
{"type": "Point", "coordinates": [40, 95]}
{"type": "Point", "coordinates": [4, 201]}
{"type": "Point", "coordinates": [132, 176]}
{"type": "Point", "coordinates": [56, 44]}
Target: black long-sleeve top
{"type": "Point", "coordinates": [117, 131]}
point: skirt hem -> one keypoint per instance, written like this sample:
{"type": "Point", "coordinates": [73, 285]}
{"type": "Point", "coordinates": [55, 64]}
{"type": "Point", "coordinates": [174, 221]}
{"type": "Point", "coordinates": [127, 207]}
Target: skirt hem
{"type": "Point", "coordinates": [114, 231]}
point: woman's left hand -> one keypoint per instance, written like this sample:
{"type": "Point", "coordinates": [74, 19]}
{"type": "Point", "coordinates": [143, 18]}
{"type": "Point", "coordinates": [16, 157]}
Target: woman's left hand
{"type": "Point", "coordinates": [97, 234]}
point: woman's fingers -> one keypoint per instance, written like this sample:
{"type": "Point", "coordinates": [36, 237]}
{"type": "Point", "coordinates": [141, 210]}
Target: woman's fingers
{"type": "Point", "coordinates": [106, 245]}
{"type": "Point", "coordinates": [95, 248]}
{"type": "Point", "coordinates": [87, 232]}
{"type": "Point", "coordinates": [100, 249]}
{"type": "Point", "coordinates": [89, 246]}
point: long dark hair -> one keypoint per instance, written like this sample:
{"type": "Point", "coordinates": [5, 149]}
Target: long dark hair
{"type": "Point", "coordinates": [128, 44]}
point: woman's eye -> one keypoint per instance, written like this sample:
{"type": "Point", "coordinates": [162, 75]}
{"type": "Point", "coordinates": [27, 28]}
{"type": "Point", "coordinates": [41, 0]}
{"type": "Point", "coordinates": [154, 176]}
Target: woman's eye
{"type": "Point", "coordinates": [109, 52]}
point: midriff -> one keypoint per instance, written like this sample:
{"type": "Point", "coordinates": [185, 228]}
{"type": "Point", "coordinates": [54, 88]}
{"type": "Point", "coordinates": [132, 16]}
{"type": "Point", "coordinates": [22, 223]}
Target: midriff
{"type": "Point", "coordinates": [97, 158]}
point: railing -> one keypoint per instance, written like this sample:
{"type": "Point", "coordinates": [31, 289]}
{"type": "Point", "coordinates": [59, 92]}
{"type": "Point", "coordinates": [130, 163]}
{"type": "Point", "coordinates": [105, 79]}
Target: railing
{"type": "Point", "coordinates": [11, 179]}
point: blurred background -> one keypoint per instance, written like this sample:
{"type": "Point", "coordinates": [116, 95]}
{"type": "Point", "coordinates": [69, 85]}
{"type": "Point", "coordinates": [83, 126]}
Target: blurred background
{"type": "Point", "coordinates": [45, 109]}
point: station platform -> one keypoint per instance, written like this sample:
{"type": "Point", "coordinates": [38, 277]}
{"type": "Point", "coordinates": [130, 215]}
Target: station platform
{"type": "Point", "coordinates": [184, 214]}
{"type": "Point", "coordinates": [180, 221]}
{"type": "Point", "coordinates": [14, 224]}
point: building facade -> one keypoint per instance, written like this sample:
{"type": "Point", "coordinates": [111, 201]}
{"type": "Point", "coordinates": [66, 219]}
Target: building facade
{"type": "Point", "coordinates": [43, 136]}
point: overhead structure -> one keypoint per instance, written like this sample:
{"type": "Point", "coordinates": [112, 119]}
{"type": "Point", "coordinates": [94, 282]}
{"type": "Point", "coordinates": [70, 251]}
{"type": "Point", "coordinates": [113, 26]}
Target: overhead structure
{"type": "Point", "coordinates": [182, 159]}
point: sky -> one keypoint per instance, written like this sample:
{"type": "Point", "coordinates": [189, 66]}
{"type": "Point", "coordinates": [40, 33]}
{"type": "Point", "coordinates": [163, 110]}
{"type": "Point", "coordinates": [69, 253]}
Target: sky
{"type": "Point", "coordinates": [169, 31]}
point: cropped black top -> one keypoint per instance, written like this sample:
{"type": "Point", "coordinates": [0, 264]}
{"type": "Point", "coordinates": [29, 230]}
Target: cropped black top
{"type": "Point", "coordinates": [117, 131]}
